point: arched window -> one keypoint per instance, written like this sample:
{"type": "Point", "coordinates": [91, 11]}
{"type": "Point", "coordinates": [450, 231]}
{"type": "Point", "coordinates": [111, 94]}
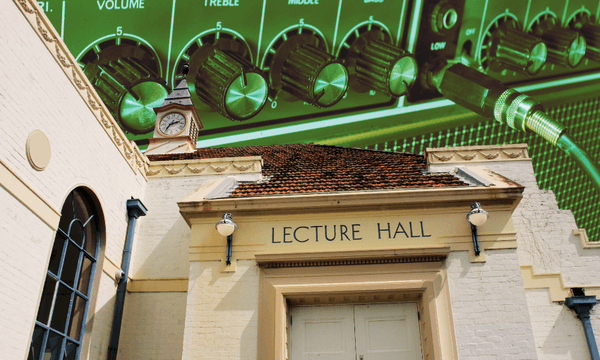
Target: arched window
{"type": "Point", "coordinates": [60, 321]}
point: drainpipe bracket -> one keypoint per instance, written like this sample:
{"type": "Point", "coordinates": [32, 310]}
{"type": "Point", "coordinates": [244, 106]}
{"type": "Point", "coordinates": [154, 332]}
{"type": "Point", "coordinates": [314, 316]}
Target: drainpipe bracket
{"type": "Point", "coordinates": [135, 208]}
{"type": "Point", "coordinates": [581, 304]}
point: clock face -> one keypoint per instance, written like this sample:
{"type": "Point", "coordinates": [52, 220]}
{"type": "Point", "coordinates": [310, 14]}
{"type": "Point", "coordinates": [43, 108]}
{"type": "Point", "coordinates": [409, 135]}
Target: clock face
{"type": "Point", "coordinates": [172, 124]}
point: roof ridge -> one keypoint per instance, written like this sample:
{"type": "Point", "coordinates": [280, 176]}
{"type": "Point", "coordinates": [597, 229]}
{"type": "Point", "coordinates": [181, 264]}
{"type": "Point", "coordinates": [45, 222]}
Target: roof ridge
{"type": "Point", "coordinates": [367, 149]}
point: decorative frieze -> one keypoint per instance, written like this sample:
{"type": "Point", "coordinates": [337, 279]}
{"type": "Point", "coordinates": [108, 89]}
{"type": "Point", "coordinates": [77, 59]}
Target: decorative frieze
{"type": "Point", "coordinates": [38, 20]}
{"type": "Point", "coordinates": [477, 154]}
{"type": "Point", "coordinates": [191, 167]}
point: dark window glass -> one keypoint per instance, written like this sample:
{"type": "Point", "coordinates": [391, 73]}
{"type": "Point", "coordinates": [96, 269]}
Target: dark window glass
{"type": "Point", "coordinates": [61, 307]}
{"type": "Point", "coordinates": [76, 317]}
{"type": "Point", "coordinates": [36, 343]}
{"type": "Point", "coordinates": [47, 300]}
{"type": "Point", "coordinates": [65, 296]}
{"type": "Point", "coordinates": [56, 255]}
{"type": "Point", "coordinates": [84, 276]}
{"type": "Point", "coordinates": [70, 351]}
{"type": "Point", "coordinates": [53, 346]}
{"type": "Point", "coordinates": [71, 264]}
{"type": "Point", "coordinates": [91, 232]}
{"type": "Point", "coordinates": [76, 232]}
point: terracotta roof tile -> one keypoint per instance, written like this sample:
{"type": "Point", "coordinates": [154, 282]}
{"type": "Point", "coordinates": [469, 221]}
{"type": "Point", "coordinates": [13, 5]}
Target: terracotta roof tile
{"type": "Point", "coordinates": [310, 168]}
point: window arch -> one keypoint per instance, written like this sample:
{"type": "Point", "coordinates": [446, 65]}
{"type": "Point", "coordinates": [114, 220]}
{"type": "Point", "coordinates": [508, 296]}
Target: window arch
{"type": "Point", "coordinates": [60, 321]}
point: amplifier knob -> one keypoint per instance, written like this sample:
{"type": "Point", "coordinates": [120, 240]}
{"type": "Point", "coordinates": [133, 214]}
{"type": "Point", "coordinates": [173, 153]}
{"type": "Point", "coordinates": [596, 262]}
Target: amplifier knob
{"type": "Point", "coordinates": [304, 70]}
{"type": "Point", "coordinates": [591, 33]}
{"type": "Point", "coordinates": [380, 65]}
{"type": "Point", "coordinates": [565, 46]}
{"type": "Point", "coordinates": [515, 50]}
{"type": "Point", "coordinates": [125, 78]}
{"type": "Point", "coordinates": [228, 83]}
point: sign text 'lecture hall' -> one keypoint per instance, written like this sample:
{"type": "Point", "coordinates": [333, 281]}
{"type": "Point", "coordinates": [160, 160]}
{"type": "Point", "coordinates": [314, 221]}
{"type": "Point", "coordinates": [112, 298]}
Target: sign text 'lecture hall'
{"type": "Point", "coordinates": [351, 232]}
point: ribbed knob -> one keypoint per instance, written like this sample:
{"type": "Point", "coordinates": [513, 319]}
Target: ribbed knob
{"type": "Point", "coordinates": [565, 46]}
{"type": "Point", "coordinates": [229, 83]}
{"type": "Point", "coordinates": [591, 33]}
{"type": "Point", "coordinates": [314, 76]}
{"type": "Point", "coordinates": [129, 89]}
{"type": "Point", "coordinates": [515, 50]}
{"type": "Point", "coordinates": [386, 68]}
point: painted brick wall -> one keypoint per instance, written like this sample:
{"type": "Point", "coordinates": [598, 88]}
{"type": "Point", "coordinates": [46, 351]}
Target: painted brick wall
{"type": "Point", "coordinates": [101, 327]}
{"type": "Point", "coordinates": [559, 334]}
{"type": "Point", "coordinates": [154, 322]}
{"type": "Point", "coordinates": [153, 326]}
{"type": "Point", "coordinates": [36, 94]}
{"type": "Point", "coordinates": [20, 284]}
{"type": "Point", "coordinates": [162, 247]}
{"type": "Point", "coordinates": [489, 307]}
{"type": "Point", "coordinates": [546, 241]}
{"type": "Point", "coordinates": [222, 317]}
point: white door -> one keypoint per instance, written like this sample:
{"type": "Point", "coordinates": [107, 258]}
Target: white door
{"type": "Point", "coordinates": [323, 332]}
{"type": "Point", "coordinates": [387, 332]}
{"type": "Point", "coordinates": [356, 332]}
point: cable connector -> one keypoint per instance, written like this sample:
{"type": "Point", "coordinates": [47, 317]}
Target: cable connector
{"type": "Point", "coordinates": [489, 97]}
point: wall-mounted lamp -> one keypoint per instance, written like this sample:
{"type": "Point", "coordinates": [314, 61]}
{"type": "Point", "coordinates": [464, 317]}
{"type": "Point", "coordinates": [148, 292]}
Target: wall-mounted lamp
{"type": "Point", "coordinates": [226, 227]}
{"type": "Point", "coordinates": [477, 217]}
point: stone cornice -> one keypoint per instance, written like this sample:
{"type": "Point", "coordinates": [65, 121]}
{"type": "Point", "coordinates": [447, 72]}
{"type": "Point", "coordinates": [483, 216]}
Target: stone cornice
{"type": "Point", "coordinates": [198, 167]}
{"type": "Point", "coordinates": [42, 26]}
{"type": "Point", "coordinates": [366, 200]}
{"type": "Point", "coordinates": [477, 154]}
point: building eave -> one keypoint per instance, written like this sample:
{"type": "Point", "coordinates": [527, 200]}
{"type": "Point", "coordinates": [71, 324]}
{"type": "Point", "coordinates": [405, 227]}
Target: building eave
{"type": "Point", "coordinates": [421, 198]}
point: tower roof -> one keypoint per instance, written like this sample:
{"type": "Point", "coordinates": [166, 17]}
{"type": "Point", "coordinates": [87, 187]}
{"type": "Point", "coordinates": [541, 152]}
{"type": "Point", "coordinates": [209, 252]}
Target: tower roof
{"type": "Point", "coordinates": [180, 95]}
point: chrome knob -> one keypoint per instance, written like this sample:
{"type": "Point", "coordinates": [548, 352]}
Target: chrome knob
{"type": "Point", "coordinates": [565, 46]}
{"type": "Point", "coordinates": [515, 50]}
{"type": "Point", "coordinates": [380, 65]}
{"type": "Point", "coordinates": [591, 33]}
{"type": "Point", "coordinates": [228, 83]}
{"type": "Point", "coordinates": [126, 79]}
{"type": "Point", "coordinates": [304, 70]}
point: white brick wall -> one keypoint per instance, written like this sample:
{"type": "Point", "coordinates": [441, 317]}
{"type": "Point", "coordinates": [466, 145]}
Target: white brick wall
{"type": "Point", "coordinates": [545, 240]}
{"type": "Point", "coordinates": [36, 94]}
{"type": "Point", "coordinates": [162, 247]}
{"type": "Point", "coordinates": [103, 316]}
{"type": "Point", "coordinates": [222, 317]}
{"type": "Point", "coordinates": [489, 307]}
{"type": "Point", "coordinates": [20, 284]}
{"type": "Point", "coordinates": [153, 326]}
{"type": "Point", "coordinates": [559, 333]}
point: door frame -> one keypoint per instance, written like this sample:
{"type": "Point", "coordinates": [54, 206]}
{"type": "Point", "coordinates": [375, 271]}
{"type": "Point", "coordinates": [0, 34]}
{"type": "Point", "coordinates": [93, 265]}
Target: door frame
{"type": "Point", "coordinates": [330, 278]}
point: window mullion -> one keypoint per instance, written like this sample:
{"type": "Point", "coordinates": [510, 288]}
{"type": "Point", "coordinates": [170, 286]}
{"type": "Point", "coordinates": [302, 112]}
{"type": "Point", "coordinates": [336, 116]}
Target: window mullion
{"type": "Point", "coordinates": [85, 310]}
{"type": "Point", "coordinates": [61, 353]}
{"type": "Point", "coordinates": [63, 341]}
{"type": "Point", "coordinates": [62, 257]}
{"type": "Point", "coordinates": [54, 296]}
{"type": "Point", "coordinates": [78, 271]}
{"type": "Point", "coordinates": [66, 330]}
{"type": "Point", "coordinates": [44, 343]}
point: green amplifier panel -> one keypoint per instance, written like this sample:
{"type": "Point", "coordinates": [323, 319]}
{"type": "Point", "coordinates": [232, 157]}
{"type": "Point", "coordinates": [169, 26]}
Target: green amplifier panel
{"type": "Point", "coordinates": [347, 72]}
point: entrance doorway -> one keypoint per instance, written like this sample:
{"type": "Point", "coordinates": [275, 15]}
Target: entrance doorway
{"type": "Point", "coordinates": [356, 332]}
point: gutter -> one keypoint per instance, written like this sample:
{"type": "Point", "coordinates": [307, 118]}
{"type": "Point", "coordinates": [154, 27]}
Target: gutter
{"type": "Point", "coordinates": [582, 305]}
{"type": "Point", "coordinates": [135, 209]}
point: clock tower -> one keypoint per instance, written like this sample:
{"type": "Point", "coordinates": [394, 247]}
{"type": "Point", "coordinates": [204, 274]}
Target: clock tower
{"type": "Point", "coordinates": [177, 124]}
